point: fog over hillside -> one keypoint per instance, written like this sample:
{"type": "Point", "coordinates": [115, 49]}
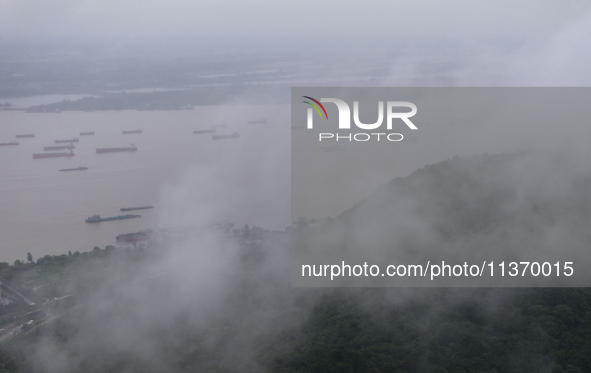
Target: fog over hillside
{"type": "Point", "coordinates": [530, 206]}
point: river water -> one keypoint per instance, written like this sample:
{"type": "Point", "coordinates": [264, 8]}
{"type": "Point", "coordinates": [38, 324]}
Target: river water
{"type": "Point", "coordinates": [194, 180]}
{"type": "Point", "coordinates": [190, 179]}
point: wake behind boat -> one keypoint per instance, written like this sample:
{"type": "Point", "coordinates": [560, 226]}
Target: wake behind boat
{"type": "Point", "coordinates": [97, 218]}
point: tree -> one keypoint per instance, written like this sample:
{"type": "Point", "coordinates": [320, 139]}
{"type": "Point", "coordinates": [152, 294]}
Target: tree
{"type": "Point", "coordinates": [29, 257]}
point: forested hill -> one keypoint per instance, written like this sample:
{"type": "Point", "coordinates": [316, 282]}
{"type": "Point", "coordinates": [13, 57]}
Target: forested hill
{"type": "Point", "coordinates": [468, 194]}
{"type": "Point", "coordinates": [500, 204]}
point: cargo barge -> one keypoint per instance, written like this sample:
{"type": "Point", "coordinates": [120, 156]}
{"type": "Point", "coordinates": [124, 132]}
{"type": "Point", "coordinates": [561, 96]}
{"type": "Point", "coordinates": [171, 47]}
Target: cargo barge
{"type": "Point", "coordinates": [97, 218]}
{"type": "Point", "coordinates": [86, 133]}
{"type": "Point", "coordinates": [136, 208]}
{"type": "Point", "coordinates": [27, 135]}
{"type": "Point", "coordinates": [130, 148]}
{"type": "Point", "coordinates": [134, 131]}
{"type": "Point", "coordinates": [59, 147]}
{"type": "Point", "coordinates": [75, 139]}
{"type": "Point", "coordinates": [8, 143]}
{"type": "Point", "coordinates": [52, 155]}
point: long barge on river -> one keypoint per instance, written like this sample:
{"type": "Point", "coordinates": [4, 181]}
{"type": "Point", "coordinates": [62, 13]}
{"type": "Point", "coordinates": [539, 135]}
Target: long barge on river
{"type": "Point", "coordinates": [27, 135]}
{"type": "Point", "coordinates": [52, 155]}
{"type": "Point", "coordinates": [130, 148]}
{"type": "Point", "coordinates": [136, 208]}
{"type": "Point", "coordinates": [59, 147]}
{"type": "Point", "coordinates": [9, 143]}
{"type": "Point", "coordinates": [97, 218]}
{"type": "Point", "coordinates": [75, 139]}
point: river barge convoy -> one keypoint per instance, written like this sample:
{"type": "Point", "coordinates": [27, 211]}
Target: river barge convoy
{"type": "Point", "coordinates": [97, 218]}
{"type": "Point", "coordinates": [130, 148]}
{"type": "Point", "coordinates": [75, 139]}
{"type": "Point", "coordinates": [136, 208]}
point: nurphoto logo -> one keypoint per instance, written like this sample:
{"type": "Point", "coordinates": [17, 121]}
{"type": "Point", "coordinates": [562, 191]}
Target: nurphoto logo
{"type": "Point", "coordinates": [345, 119]}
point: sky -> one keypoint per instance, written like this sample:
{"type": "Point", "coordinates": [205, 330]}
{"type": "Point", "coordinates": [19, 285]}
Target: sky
{"type": "Point", "coordinates": [304, 20]}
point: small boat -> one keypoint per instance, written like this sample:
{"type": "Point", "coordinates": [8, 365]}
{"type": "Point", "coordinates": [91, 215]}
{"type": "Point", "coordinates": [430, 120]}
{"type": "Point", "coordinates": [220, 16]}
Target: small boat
{"type": "Point", "coordinates": [52, 155]}
{"type": "Point", "coordinates": [74, 169]}
{"type": "Point", "coordinates": [97, 218]}
{"type": "Point", "coordinates": [86, 133]}
{"type": "Point", "coordinates": [134, 131]}
{"type": "Point", "coordinates": [27, 135]}
{"type": "Point", "coordinates": [235, 135]}
{"type": "Point", "coordinates": [75, 139]}
{"type": "Point", "coordinates": [136, 208]}
{"type": "Point", "coordinates": [261, 121]}
{"type": "Point", "coordinates": [59, 147]}
{"type": "Point", "coordinates": [204, 131]}
{"type": "Point", "coordinates": [9, 143]}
